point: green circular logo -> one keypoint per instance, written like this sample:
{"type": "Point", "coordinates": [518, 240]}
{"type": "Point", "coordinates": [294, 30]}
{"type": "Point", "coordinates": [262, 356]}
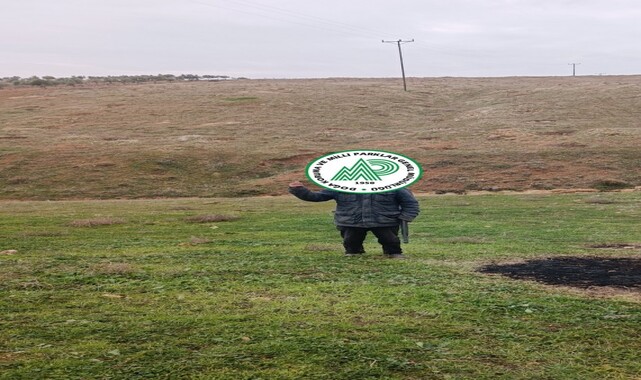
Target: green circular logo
{"type": "Point", "coordinates": [363, 171]}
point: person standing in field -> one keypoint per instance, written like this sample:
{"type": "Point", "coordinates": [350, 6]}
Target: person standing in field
{"type": "Point", "coordinates": [357, 214]}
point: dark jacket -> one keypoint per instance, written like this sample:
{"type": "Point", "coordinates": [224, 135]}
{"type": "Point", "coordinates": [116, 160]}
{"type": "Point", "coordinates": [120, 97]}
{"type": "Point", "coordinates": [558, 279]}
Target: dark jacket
{"type": "Point", "coordinates": [365, 210]}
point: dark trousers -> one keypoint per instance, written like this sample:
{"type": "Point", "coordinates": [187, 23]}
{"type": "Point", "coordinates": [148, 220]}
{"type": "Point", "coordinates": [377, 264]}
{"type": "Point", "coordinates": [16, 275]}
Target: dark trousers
{"type": "Point", "coordinates": [353, 238]}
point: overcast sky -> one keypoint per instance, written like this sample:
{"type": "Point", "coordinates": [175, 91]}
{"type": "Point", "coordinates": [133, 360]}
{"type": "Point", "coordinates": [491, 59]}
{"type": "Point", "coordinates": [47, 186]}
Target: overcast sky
{"type": "Point", "coordinates": [317, 39]}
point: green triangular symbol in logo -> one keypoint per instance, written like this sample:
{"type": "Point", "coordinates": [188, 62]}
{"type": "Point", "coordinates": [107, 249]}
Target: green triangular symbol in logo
{"type": "Point", "coordinates": [364, 172]}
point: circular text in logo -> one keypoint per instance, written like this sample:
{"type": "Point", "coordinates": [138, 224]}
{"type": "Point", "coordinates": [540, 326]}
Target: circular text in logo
{"type": "Point", "coordinates": [363, 171]}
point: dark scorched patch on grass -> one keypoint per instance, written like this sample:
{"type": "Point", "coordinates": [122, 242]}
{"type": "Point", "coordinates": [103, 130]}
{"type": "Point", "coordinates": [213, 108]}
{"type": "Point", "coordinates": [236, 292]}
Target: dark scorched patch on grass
{"type": "Point", "coordinates": [580, 272]}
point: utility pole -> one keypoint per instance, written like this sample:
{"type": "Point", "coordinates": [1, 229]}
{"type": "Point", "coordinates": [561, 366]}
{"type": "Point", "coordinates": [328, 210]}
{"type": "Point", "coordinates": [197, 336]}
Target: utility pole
{"type": "Point", "coordinates": [400, 54]}
{"type": "Point", "coordinates": [573, 68]}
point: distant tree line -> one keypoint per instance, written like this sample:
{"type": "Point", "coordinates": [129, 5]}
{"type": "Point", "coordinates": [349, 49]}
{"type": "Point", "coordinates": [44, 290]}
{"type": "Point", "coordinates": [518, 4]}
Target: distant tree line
{"type": "Point", "coordinates": [77, 80]}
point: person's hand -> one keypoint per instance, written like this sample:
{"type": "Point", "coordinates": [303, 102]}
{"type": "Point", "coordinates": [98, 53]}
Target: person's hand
{"type": "Point", "coordinates": [296, 184]}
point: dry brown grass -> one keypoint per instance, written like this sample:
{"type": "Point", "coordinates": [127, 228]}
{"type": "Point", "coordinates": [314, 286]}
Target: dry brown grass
{"type": "Point", "coordinates": [211, 218]}
{"type": "Point", "coordinates": [113, 268]}
{"type": "Point", "coordinates": [194, 240]}
{"type": "Point", "coordinates": [252, 137]}
{"type": "Point", "coordinates": [96, 222]}
{"type": "Point", "coordinates": [599, 200]}
{"type": "Point", "coordinates": [322, 247]}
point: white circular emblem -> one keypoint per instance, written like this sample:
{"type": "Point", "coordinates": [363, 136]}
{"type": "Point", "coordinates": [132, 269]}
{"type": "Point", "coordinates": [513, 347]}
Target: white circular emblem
{"type": "Point", "coordinates": [363, 171]}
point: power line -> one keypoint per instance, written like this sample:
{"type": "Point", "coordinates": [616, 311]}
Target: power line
{"type": "Point", "coordinates": [400, 54]}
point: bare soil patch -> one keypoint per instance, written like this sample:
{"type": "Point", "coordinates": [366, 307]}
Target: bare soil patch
{"type": "Point", "coordinates": [578, 272]}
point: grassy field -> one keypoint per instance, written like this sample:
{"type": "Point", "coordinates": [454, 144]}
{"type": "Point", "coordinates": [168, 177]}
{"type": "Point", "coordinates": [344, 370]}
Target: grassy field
{"type": "Point", "coordinates": [252, 137]}
{"type": "Point", "coordinates": [142, 269]}
{"type": "Point", "coordinates": [256, 288]}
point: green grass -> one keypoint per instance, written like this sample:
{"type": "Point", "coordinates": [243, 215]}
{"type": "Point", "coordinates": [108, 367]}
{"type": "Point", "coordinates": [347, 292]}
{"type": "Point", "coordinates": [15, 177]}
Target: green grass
{"type": "Point", "coordinates": [137, 290]}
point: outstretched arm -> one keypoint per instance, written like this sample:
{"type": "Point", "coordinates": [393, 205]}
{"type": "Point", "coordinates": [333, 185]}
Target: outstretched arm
{"type": "Point", "coordinates": [301, 192]}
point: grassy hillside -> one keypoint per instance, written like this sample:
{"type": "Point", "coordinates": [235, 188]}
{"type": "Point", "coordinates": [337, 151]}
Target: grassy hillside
{"type": "Point", "coordinates": [252, 137]}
